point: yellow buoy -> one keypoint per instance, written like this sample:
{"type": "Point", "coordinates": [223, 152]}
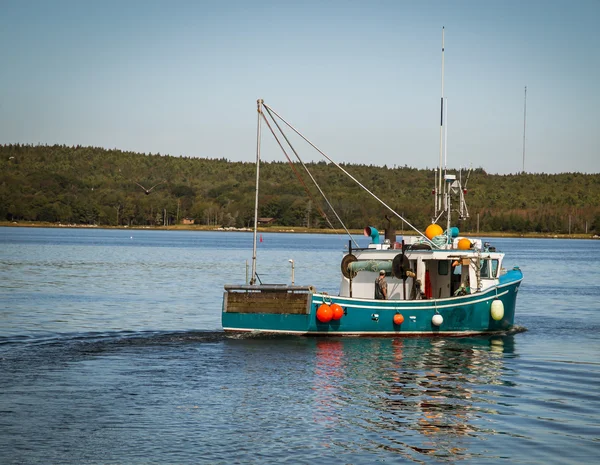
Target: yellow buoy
{"type": "Point", "coordinates": [433, 230]}
{"type": "Point", "coordinates": [497, 310]}
{"type": "Point", "coordinates": [464, 244]}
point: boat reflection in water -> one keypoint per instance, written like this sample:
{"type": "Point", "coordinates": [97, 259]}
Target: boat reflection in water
{"type": "Point", "coordinates": [414, 397]}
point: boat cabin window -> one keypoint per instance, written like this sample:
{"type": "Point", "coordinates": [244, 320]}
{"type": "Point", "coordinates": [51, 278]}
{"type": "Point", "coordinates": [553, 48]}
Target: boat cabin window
{"type": "Point", "coordinates": [443, 267]}
{"type": "Point", "coordinates": [489, 269]}
{"type": "Point", "coordinates": [494, 268]}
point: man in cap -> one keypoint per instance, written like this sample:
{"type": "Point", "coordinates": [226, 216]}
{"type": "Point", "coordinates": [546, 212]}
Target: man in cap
{"type": "Point", "coordinates": [381, 286]}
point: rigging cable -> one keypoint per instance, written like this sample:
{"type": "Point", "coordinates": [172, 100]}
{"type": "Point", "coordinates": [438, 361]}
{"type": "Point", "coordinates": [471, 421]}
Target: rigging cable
{"type": "Point", "coordinates": [296, 171]}
{"type": "Point", "coordinates": [309, 174]}
{"type": "Point", "coordinates": [350, 176]}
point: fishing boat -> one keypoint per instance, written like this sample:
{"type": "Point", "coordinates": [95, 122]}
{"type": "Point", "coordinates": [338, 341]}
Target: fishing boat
{"type": "Point", "coordinates": [438, 283]}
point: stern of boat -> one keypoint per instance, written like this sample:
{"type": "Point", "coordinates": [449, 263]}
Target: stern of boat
{"type": "Point", "coordinates": [267, 307]}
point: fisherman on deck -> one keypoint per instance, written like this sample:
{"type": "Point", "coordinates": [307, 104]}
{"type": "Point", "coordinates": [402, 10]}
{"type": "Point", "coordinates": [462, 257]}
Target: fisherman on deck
{"type": "Point", "coordinates": [381, 286]}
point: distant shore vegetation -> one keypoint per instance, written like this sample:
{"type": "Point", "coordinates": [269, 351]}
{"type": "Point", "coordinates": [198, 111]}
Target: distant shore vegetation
{"type": "Point", "coordinates": [75, 185]}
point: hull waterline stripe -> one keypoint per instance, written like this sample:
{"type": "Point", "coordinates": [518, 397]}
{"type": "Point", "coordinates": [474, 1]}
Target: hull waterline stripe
{"type": "Point", "coordinates": [319, 299]}
{"type": "Point", "coordinates": [361, 333]}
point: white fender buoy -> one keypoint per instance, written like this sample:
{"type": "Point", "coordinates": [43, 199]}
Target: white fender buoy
{"type": "Point", "coordinates": [497, 310]}
{"type": "Point", "coordinates": [497, 345]}
{"type": "Point", "coordinates": [437, 319]}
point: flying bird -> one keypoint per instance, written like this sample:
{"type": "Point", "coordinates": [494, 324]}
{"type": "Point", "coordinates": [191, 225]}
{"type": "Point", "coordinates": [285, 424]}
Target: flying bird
{"type": "Point", "coordinates": [147, 191]}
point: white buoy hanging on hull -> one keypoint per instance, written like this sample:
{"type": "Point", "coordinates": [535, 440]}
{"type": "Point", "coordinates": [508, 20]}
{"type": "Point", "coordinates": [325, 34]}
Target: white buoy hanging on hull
{"type": "Point", "coordinates": [497, 310]}
{"type": "Point", "coordinates": [437, 319]}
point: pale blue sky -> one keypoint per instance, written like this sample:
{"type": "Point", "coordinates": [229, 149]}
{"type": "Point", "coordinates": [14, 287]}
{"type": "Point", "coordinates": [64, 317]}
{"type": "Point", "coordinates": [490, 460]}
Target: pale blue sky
{"type": "Point", "coordinates": [360, 79]}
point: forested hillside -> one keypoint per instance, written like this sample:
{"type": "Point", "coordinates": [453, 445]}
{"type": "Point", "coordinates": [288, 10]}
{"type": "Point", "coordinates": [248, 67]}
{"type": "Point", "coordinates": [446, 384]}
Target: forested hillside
{"type": "Point", "coordinates": [89, 185]}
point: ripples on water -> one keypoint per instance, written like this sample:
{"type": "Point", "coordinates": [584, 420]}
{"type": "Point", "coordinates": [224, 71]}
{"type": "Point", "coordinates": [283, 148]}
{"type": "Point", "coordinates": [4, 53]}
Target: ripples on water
{"type": "Point", "coordinates": [113, 354]}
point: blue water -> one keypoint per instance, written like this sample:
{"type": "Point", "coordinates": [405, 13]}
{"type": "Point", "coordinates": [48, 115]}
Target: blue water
{"type": "Point", "coordinates": [111, 352]}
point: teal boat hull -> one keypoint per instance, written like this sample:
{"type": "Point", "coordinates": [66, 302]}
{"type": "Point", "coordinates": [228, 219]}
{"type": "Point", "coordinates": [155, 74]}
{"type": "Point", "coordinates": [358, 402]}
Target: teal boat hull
{"type": "Point", "coordinates": [462, 316]}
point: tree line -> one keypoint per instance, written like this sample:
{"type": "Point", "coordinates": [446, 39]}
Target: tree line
{"type": "Point", "coordinates": [107, 187]}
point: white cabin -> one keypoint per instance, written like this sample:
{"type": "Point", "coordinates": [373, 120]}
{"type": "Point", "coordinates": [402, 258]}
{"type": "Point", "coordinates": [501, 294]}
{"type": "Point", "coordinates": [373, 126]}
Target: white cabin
{"type": "Point", "coordinates": [429, 274]}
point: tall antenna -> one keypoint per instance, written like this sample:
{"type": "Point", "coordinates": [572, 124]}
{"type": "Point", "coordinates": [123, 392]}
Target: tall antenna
{"type": "Point", "coordinates": [438, 204]}
{"type": "Point", "coordinates": [524, 126]}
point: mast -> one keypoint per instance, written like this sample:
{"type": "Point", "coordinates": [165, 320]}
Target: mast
{"type": "Point", "coordinates": [259, 104]}
{"type": "Point", "coordinates": [439, 195]}
{"type": "Point", "coordinates": [447, 187]}
{"type": "Point", "coordinates": [446, 136]}
{"type": "Point", "coordinates": [524, 126]}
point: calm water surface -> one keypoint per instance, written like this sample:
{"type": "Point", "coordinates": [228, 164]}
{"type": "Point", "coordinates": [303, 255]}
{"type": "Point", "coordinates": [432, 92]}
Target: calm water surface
{"type": "Point", "coordinates": [111, 351]}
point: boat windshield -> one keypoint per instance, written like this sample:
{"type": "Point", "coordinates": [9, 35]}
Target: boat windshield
{"type": "Point", "coordinates": [489, 268]}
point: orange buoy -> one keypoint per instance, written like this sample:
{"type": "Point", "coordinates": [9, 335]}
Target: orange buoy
{"type": "Point", "coordinates": [464, 244]}
{"type": "Point", "coordinates": [433, 230]}
{"type": "Point", "coordinates": [324, 313]}
{"type": "Point", "coordinates": [398, 319]}
{"type": "Point", "coordinates": [337, 312]}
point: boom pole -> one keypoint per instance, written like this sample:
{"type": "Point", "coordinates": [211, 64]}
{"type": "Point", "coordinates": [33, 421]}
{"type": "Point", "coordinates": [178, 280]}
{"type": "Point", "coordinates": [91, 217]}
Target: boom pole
{"type": "Point", "coordinates": [259, 104]}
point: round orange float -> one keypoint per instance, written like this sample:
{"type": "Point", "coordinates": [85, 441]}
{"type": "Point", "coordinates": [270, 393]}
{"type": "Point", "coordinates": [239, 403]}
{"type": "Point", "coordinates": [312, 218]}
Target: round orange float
{"type": "Point", "coordinates": [433, 230]}
{"type": "Point", "coordinates": [464, 244]}
{"type": "Point", "coordinates": [398, 319]}
{"type": "Point", "coordinates": [324, 313]}
{"type": "Point", "coordinates": [337, 312]}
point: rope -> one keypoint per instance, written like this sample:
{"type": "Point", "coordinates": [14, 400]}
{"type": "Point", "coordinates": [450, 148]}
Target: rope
{"type": "Point", "coordinates": [440, 240]}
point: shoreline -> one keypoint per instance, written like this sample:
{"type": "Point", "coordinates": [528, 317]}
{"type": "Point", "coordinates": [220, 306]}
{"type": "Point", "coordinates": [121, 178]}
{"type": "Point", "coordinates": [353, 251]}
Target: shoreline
{"type": "Point", "coordinates": [282, 229]}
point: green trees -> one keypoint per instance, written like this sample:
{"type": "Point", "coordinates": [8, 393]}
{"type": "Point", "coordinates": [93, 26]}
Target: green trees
{"type": "Point", "coordinates": [90, 185]}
